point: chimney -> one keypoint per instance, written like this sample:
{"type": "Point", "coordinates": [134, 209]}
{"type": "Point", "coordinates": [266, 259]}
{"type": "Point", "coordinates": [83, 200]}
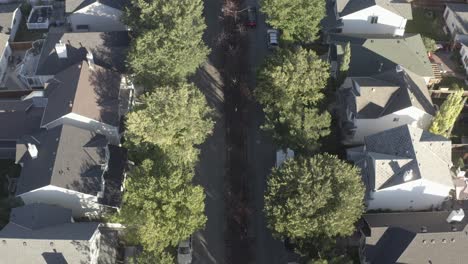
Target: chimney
{"type": "Point", "coordinates": [399, 68]}
{"type": "Point", "coordinates": [61, 50]}
{"type": "Point", "coordinates": [32, 150]}
{"type": "Point", "coordinates": [90, 58]}
{"type": "Point", "coordinates": [456, 216]}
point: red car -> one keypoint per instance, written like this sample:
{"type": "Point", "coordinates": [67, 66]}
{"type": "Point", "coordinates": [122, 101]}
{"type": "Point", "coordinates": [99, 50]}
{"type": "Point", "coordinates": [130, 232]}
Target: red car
{"type": "Point", "coordinates": [251, 17]}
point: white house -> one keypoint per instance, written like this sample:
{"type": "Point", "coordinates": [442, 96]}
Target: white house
{"type": "Point", "coordinates": [10, 18]}
{"type": "Point", "coordinates": [374, 104]}
{"type": "Point", "coordinates": [63, 166]}
{"type": "Point", "coordinates": [40, 233]}
{"type": "Point", "coordinates": [456, 21]}
{"type": "Point", "coordinates": [371, 17]}
{"type": "Point", "coordinates": [96, 15]}
{"type": "Point", "coordinates": [404, 168]}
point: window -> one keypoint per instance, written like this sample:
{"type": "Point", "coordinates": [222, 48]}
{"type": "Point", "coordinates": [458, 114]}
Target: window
{"type": "Point", "coordinates": [446, 14]}
{"type": "Point", "coordinates": [374, 19]}
{"type": "Point", "coordinates": [465, 60]}
{"type": "Point", "coordinates": [14, 21]}
{"type": "Point", "coordinates": [396, 119]}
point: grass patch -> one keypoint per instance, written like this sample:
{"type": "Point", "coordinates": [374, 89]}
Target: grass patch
{"type": "Point", "coordinates": [24, 34]}
{"type": "Point", "coordinates": [428, 23]}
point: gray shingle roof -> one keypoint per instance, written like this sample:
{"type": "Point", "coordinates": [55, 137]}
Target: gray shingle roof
{"type": "Point", "coordinates": [108, 48]}
{"type": "Point", "coordinates": [372, 55]}
{"type": "Point", "coordinates": [387, 93]}
{"type": "Point", "coordinates": [53, 241]}
{"type": "Point", "coordinates": [19, 118]}
{"type": "Point", "coordinates": [406, 152]}
{"type": "Point", "coordinates": [74, 5]}
{"type": "Point", "coordinates": [89, 92]}
{"type": "Point", "coordinates": [460, 12]}
{"type": "Point", "coordinates": [68, 157]}
{"type": "Point", "coordinates": [399, 238]}
{"type": "Point", "coordinates": [402, 8]}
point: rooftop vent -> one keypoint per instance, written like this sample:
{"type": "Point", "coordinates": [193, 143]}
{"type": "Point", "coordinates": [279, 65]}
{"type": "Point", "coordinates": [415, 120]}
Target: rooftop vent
{"type": "Point", "coordinates": [61, 50]}
{"type": "Point", "coordinates": [456, 216]}
{"type": "Point", "coordinates": [408, 175]}
{"type": "Point", "coordinates": [398, 68]}
{"type": "Point", "coordinates": [32, 150]}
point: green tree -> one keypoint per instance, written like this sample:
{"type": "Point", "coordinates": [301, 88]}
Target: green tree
{"type": "Point", "coordinates": [344, 65]}
{"type": "Point", "coordinates": [290, 86]}
{"type": "Point", "coordinates": [147, 257]}
{"type": "Point", "coordinates": [448, 113]}
{"type": "Point", "coordinates": [174, 119]}
{"type": "Point", "coordinates": [429, 43]}
{"type": "Point", "coordinates": [298, 19]}
{"type": "Point", "coordinates": [320, 196]}
{"type": "Point", "coordinates": [162, 57]}
{"type": "Point", "coordinates": [160, 207]}
{"type": "Point", "coordinates": [332, 260]}
{"type": "Point", "coordinates": [169, 44]}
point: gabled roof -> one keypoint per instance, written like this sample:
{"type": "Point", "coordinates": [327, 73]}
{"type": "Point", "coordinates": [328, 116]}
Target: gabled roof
{"type": "Point", "coordinates": [108, 48]}
{"type": "Point", "coordinates": [372, 55]}
{"type": "Point", "coordinates": [402, 8]}
{"type": "Point", "coordinates": [68, 157]}
{"type": "Point", "coordinates": [410, 154]}
{"type": "Point", "coordinates": [55, 240]}
{"type": "Point", "coordinates": [387, 93]}
{"type": "Point", "coordinates": [89, 91]}
{"type": "Point", "coordinates": [415, 237]}
{"type": "Point", "coordinates": [75, 5]}
{"type": "Point", "coordinates": [460, 12]}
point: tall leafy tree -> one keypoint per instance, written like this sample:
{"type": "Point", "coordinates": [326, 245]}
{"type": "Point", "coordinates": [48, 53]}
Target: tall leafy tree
{"type": "Point", "coordinates": [320, 196]}
{"type": "Point", "coordinates": [175, 119]}
{"type": "Point", "coordinates": [159, 207]}
{"type": "Point", "coordinates": [429, 44]}
{"type": "Point", "coordinates": [344, 65]}
{"type": "Point", "coordinates": [169, 44]}
{"type": "Point", "coordinates": [298, 19]}
{"type": "Point", "coordinates": [448, 113]}
{"type": "Point", "coordinates": [290, 86]}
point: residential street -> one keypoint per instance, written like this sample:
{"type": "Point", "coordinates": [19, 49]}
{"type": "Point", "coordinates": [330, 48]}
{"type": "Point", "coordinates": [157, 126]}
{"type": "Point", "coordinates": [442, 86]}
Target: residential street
{"type": "Point", "coordinates": [210, 245]}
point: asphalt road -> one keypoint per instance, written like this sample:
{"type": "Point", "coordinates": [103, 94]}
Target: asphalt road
{"type": "Point", "coordinates": [209, 244]}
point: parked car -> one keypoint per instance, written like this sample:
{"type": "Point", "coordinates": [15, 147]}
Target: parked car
{"type": "Point", "coordinates": [273, 38]}
{"type": "Point", "coordinates": [251, 17]}
{"type": "Point", "coordinates": [184, 252]}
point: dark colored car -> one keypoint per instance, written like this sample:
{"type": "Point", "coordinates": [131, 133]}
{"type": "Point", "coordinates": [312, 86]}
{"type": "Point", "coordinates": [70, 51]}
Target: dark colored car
{"type": "Point", "coordinates": [251, 17]}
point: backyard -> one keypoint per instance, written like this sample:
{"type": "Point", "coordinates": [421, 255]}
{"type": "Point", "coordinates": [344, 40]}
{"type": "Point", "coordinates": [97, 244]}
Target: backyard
{"type": "Point", "coordinates": [428, 23]}
{"type": "Point", "coordinates": [24, 34]}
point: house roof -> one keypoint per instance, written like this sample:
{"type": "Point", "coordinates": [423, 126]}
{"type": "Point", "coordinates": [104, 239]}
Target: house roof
{"type": "Point", "coordinates": [108, 48]}
{"type": "Point", "coordinates": [372, 55]}
{"type": "Point", "coordinates": [387, 93]}
{"type": "Point", "coordinates": [460, 12]}
{"type": "Point", "coordinates": [19, 118]}
{"type": "Point", "coordinates": [55, 240]}
{"type": "Point", "coordinates": [402, 8]}
{"type": "Point", "coordinates": [403, 154]}
{"type": "Point", "coordinates": [89, 91]}
{"type": "Point", "coordinates": [415, 237]}
{"type": "Point", "coordinates": [75, 5]}
{"type": "Point", "coordinates": [68, 157]}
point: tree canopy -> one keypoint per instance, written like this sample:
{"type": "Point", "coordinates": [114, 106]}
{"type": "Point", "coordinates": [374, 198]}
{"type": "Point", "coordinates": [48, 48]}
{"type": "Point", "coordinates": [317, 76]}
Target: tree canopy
{"type": "Point", "coordinates": [159, 208]}
{"type": "Point", "coordinates": [314, 197]}
{"type": "Point", "coordinates": [168, 45]}
{"type": "Point", "coordinates": [448, 113]}
{"type": "Point", "coordinates": [290, 86]}
{"type": "Point", "coordinates": [429, 44]}
{"type": "Point", "coordinates": [175, 119]}
{"type": "Point", "coordinates": [299, 20]}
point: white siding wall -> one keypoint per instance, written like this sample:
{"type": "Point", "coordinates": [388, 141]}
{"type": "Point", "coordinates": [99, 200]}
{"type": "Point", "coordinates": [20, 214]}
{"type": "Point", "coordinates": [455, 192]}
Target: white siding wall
{"type": "Point", "coordinates": [81, 204]}
{"type": "Point", "coordinates": [111, 132]}
{"type": "Point", "coordinates": [99, 18]}
{"type": "Point", "coordinates": [464, 57]}
{"type": "Point", "coordinates": [94, 246]}
{"type": "Point", "coordinates": [415, 195]}
{"type": "Point", "coordinates": [450, 20]}
{"type": "Point", "coordinates": [15, 23]}
{"type": "Point", "coordinates": [388, 22]}
{"type": "Point", "coordinates": [412, 116]}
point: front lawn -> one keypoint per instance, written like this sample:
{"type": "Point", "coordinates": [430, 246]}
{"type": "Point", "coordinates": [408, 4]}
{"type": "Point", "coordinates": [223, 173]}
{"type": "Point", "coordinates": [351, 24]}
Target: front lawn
{"type": "Point", "coordinates": [428, 23]}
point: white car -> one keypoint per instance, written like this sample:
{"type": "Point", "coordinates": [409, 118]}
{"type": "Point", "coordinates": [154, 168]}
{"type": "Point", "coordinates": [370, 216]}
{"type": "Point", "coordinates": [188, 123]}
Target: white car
{"type": "Point", "coordinates": [184, 252]}
{"type": "Point", "coordinates": [273, 38]}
